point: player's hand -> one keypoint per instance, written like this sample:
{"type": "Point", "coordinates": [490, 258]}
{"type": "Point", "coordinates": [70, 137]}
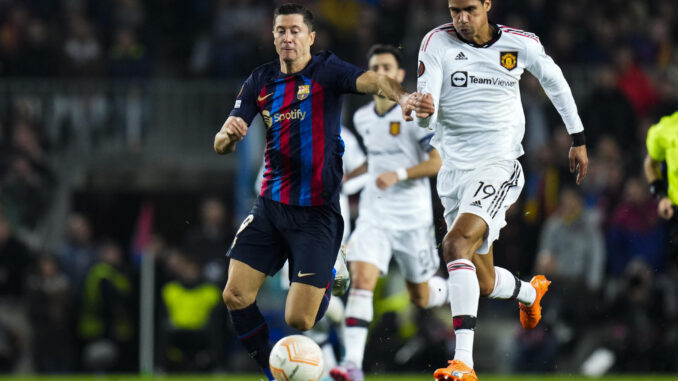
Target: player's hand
{"type": "Point", "coordinates": [235, 127]}
{"type": "Point", "coordinates": [405, 106]}
{"type": "Point", "coordinates": [665, 208]}
{"type": "Point", "coordinates": [386, 179]}
{"type": "Point", "coordinates": [422, 104]}
{"type": "Point", "coordinates": [233, 131]}
{"type": "Point", "coordinates": [579, 161]}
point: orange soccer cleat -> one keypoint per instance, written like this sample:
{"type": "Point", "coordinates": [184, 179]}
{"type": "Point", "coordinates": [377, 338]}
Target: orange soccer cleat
{"type": "Point", "coordinates": [530, 315]}
{"type": "Point", "coordinates": [455, 371]}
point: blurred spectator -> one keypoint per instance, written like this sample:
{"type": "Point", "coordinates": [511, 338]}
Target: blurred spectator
{"type": "Point", "coordinates": [128, 57]}
{"type": "Point", "coordinates": [82, 52]}
{"type": "Point", "coordinates": [37, 56]}
{"type": "Point", "coordinates": [608, 112]}
{"type": "Point", "coordinates": [78, 253]}
{"type": "Point", "coordinates": [635, 230]}
{"type": "Point", "coordinates": [189, 339]}
{"type": "Point", "coordinates": [571, 246]}
{"type": "Point", "coordinates": [106, 324]}
{"type": "Point", "coordinates": [634, 83]}
{"type": "Point", "coordinates": [209, 241]}
{"type": "Point", "coordinates": [15, 258]}
{"type": "Point", "coordinates": [9, 348]}
{"type": "Point", "coordinates": [636, 318]}
{"type": "Point", "coordinates": [49, 309]}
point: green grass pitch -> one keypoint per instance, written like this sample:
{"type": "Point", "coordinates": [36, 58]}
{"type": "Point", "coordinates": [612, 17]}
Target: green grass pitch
{"type": "Point", "coordinates": [399, 377]}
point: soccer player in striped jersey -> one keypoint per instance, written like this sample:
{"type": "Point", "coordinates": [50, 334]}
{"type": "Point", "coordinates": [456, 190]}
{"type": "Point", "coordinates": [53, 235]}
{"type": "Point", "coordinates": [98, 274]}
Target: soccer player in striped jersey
{"type": "Point", "coordinates": [296, 215]}
{"type": "Point", "coordinates": [468, 93]}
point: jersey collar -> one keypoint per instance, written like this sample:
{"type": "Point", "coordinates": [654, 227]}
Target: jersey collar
{"type": "Point", "coordinates": [495, 37]}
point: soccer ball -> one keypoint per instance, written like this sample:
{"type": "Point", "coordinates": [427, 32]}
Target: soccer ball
{"type": "Point", "coordinates": [296, 358]}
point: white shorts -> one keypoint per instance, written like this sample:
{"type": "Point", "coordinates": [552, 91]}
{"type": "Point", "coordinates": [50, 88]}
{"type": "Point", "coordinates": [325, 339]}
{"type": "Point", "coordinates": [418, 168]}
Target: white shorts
{"type": "Point", "coordinates": [487, 192]}
{"type": "Point", "coordinates": [414, 250]}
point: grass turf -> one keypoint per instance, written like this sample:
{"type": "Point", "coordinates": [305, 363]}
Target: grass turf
{"type": "Point", "coordinates": [398, 377]}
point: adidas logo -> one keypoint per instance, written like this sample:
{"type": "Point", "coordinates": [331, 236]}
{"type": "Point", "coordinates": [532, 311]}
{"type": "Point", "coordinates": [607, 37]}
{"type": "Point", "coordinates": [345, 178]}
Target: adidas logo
{"type": "Point", "coordinates": [477, 203]}
{"type": "Point", "coordinates": [461, 57]}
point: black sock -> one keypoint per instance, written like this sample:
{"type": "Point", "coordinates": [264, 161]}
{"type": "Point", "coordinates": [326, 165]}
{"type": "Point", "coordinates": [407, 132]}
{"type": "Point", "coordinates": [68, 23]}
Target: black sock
{"type": "Point", "coordinates": [253, 333]}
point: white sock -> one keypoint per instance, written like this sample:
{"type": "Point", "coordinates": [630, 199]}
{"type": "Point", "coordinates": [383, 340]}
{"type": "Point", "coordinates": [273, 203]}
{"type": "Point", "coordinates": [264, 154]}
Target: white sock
{"type": "Point", "coordinates": [437, 292]}
{"type": "Point", "coordinates": [505, 285]}
{"type": "Point", "coordinates": [359, 313]}
{"type": "Point", "coordinates": [464, 293]}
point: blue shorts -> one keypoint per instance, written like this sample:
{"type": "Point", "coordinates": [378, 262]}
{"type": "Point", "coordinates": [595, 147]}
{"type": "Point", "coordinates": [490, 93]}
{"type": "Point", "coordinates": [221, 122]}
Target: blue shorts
{"type": "Point", "coordinates": [309, 236]}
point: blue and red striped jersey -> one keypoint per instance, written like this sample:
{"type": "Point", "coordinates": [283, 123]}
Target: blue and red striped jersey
{"type": "Point", "coordinates": [302, 113]}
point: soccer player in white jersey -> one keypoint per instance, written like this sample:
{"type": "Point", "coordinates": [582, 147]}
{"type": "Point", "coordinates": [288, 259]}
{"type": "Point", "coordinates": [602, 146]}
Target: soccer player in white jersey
{"type": "Point", "coordinates": [395, 218]}
{"type": "Point", "coordinates": [468, 93]}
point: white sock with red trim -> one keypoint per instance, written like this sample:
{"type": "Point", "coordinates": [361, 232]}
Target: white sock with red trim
{"type": "Point", "coordinates": [464, 293]}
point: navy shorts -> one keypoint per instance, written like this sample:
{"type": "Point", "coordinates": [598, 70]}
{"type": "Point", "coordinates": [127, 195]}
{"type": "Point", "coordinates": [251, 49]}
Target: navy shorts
{"type": "Point", "coordinates": [309, 236]}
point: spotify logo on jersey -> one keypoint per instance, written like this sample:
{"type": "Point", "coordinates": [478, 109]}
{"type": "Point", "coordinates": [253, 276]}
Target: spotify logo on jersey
{"type": "Point", "coordinates": [459, 79]}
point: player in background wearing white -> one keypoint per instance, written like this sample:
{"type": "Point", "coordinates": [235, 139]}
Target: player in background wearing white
{"type": "Point", "coordinates": [395, 218]}
{"type": "Point", "coordinates": [468, 92]}
{"type": "Point", "coordinates": [353, 158]}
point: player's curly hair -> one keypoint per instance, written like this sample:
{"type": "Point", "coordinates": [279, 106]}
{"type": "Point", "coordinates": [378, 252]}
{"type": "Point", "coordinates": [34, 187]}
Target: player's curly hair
{"type": "Point", "coordinates": [383, 49]}
{"type": "Point", "coordinates": [296, 9]}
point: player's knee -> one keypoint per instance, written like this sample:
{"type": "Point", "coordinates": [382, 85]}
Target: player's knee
{"type": "Point", "coordinates": [457, 245]}
{"type": "Point", "coordinates": [486, 286]}
{"type": "Point", "coordinates": [299, 322]}
{"type": "Point", "coordinates": [234, 299]}
{"type": "Point", "coordinates": [362, 281]}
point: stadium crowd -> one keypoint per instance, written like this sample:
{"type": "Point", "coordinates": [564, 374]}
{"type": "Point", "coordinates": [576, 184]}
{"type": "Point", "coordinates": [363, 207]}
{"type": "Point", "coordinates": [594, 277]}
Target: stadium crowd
{"type": "Point", "coordinates": [73, 306]}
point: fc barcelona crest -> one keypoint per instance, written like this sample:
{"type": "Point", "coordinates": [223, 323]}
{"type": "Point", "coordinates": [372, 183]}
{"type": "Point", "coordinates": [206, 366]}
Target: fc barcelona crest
{"type": "Point", "coordinates": [394, 128]}
{"type": "Point", "coordinates": [509, 60]}
{"type": "Point", "coordinates": [303, 92]}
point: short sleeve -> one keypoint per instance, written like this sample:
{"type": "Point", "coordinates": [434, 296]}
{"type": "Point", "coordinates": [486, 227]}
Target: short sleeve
{"type": "Point", "coordinates": [353, 156]}
{"type": "Point", "coordinates": [655, 146]}
{"type": "Point", "coordinates": [342, 74]}
{"type": "Point", "coordinates": [246, 101]}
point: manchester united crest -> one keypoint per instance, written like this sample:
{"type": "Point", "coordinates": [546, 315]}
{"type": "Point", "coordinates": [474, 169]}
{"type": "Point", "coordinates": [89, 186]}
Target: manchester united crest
{"type": "Point", "coordinates": [394, 128]}
{"type": "Point", "coordinates": [509, 60]}
{"type": "Point", "coordinates": [303, 92]}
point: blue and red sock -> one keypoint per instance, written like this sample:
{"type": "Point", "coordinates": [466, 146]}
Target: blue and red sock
{"type": "Point", "coordinates": [253, 333]}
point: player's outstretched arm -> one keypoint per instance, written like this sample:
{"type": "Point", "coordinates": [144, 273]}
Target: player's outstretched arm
{"type": "Point", "coordinates": [378, 84]}
{"type": "Point", "coordinates": [426, 168]}
{"type": "Point", "coordinates": [233, 131]}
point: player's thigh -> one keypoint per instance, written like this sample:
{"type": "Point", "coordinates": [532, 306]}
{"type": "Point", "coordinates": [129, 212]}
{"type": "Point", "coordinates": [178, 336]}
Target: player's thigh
{"type": "Point", "coordinates": [416, 253]}
{"type": "Point", "coordinates": [369, 244]}
{"type": "Point", "coordinates": [313, 235]}
{"type": "Point", "coordinates": [488, 192]}
{"type": "Point", "coordinates": [258, 242]}
{"type": "Point", "coordinates": [364, 275]}
{"type": "Point", "coordinates": [301, 306]}
{"type": "Point", "coordinates": [242, 286]}
{"type": "Point", "coordinates": [485, 271]}
{"type": "Point", "coordinates": [464, 238]}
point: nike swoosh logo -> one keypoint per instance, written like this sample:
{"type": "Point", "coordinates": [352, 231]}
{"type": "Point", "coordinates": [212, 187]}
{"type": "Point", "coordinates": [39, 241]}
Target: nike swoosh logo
{"type": "Point", "coordinates": [261, 99]}
{"type": "Point", "coordinates": [301, 275]}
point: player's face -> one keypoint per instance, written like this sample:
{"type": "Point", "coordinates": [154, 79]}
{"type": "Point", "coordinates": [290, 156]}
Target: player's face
{"type": "Point", "coordinates": [292, 38]}
{"type": "Point", "coordinates": [387, 65]}
{"type": "Point", "coordinates": [469, 16]}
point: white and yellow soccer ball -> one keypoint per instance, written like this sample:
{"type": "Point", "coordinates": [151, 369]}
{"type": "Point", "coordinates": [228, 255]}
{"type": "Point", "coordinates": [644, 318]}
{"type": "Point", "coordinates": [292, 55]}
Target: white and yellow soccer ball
{"type": "Point", "coordinates": [296, 358]}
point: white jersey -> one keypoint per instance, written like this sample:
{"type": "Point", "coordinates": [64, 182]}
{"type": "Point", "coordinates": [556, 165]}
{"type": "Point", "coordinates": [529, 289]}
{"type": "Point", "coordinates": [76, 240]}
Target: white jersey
{"type": "Point", "coordinates": [393, 143]}
{"type": "Point", "coordinates": [479, 117]}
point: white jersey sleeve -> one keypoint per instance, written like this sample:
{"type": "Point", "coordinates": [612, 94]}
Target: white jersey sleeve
{"type": "Point", "coordinates": [430, 72]}
{"type": "Point", "coordinates": [550, 76]}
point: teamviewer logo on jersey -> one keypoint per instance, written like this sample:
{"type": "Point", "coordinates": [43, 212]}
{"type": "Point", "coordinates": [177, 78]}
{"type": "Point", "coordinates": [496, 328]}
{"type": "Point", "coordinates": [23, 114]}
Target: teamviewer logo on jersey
{"type": "Point", "coordinates": [459, 79]}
